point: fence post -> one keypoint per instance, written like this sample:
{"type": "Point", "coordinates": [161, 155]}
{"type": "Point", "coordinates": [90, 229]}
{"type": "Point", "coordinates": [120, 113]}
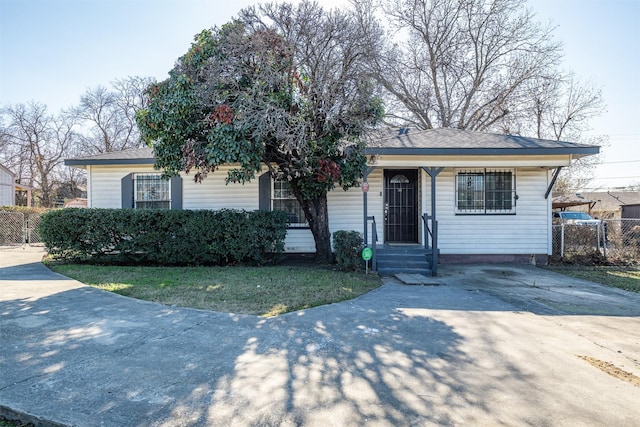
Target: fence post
{"type": "Point", "coordinates": [562, 239]}
{"type": "Point", "coordinates": [604, 239]}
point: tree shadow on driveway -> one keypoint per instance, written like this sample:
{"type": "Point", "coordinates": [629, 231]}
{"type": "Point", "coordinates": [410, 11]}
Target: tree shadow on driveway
{"type": "Point", "coordinates": [89, 357]}
{"type": "Point", "coordinates": [399, 355]}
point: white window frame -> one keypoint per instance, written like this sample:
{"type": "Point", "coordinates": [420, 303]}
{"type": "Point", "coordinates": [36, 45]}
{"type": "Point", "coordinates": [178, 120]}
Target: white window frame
{"type": "Point", "coordinates": [282, 194]}
{"type": "Point", "coordinates": [481, 200]}
{"type": "Point", "coordinates": [151, 191]}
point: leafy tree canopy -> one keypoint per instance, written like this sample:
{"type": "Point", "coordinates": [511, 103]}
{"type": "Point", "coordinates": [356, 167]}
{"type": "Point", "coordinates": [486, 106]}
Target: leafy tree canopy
{"type": "Point", "coordinates": [282, 86]}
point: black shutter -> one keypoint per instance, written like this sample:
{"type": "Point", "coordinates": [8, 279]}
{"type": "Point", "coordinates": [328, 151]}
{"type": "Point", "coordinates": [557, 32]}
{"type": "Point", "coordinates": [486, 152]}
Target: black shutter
{"type": "Point", "coordinates": [126, 191]}
{"type": "Point", "coordinates": [264, 191]}
{"type": "Point", "coordinates": [176, 192]}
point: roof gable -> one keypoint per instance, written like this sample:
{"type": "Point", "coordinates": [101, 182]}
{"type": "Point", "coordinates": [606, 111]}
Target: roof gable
{"type": "Point", "coordinates": [6, 169]}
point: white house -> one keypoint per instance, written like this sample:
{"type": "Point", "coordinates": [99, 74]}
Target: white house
{"type": "Point", "coordinates": [7, 187]}
{"type": "Point", "coordinates": [489, 193]}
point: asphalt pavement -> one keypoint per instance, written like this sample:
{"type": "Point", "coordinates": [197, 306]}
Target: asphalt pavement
{"type": "Point", "coordinates": [504, 345]}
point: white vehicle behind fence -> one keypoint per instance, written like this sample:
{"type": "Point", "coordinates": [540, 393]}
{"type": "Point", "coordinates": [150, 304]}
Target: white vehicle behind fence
{"type": "Point", "coordinates": [577, 218]}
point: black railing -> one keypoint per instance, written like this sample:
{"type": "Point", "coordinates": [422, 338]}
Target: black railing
{"type": "Point", "coordinates": [431, 236]}
{"type": "Point", "coordinates": [374, 239]}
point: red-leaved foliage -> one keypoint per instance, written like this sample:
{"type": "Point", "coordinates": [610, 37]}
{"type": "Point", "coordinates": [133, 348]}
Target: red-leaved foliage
{"type": "Point", "coordinates": [222, 114]}
{"type": "Point", "coordinates": [328, 170]}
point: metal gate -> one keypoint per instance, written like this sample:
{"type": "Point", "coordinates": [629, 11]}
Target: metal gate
{"type": "Point", "coordinates": [401, 206]}
{"type": "Point", "coordinates": [17, 228]}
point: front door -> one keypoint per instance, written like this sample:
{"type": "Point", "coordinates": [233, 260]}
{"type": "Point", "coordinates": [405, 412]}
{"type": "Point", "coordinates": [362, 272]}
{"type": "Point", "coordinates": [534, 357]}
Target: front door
{"type": "Point", "coordinates": [401, 206]}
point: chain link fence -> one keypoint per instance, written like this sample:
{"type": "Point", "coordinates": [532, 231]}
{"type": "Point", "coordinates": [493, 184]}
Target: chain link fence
{"type": "Point", "coordinates": [17, 228]}
{"type": "Point", "coordinates": [617, 240]}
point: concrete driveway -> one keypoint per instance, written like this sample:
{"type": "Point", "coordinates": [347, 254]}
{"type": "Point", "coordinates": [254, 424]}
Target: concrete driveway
{"type": "Point", "coordinates": [490, 345]}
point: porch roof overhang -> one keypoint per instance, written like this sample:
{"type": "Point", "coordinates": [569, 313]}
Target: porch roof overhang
{"type": "Point", "coordinates": [548, 162]}
{"type": "Point", "coordinates": [447, 144]}
{"type": "Point", "coordinates": [576, 152]}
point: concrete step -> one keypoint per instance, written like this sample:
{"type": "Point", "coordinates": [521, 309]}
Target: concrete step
{"type": "Point", "coordinates": [392, 271]}
{"type": "Point", "coordinates": [405, 262]}
{"type": "Point", "coordinates": [408, 259]}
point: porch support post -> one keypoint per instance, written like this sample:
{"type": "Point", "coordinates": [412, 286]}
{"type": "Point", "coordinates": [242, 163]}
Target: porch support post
{"type": "Point", "coordinates": [367, 172]}
{"type": "Point", "coordinates": [553, 182]}
{"type": "Point", "coordinates": [433, 173]}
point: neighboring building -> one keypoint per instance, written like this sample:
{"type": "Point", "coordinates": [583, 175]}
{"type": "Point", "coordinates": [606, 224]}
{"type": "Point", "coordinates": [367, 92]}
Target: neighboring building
{"type": "Point", "coordinates": [78, 202]}
{"type": "Point", "coordinates": [631, 211]}
{"type": "Point", "coordinates": [601, 204]}
{"type": "Point", "coordinates": [608, 203]}
{"type": "Point", "coordinates": [491, 194]}
{"type": "Point", "coordinates": [7, 187]}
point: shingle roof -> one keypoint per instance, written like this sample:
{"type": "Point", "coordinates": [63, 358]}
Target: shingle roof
{"type": "Point", "coordinates": [434, 142]}
{"type": "Point", "coordinates": [612, 200]}
{"type": "Point", "coordinates": [131, 157]}
{"type": "Point", "coordinates": [447, 141]}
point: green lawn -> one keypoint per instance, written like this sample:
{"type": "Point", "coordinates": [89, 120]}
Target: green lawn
{"type": "Point", "coordinates": [264, 291]}
{"type": "Point", "coordinates": [627, 278]}
{"type": "Point", "coordinates": [13, 423]}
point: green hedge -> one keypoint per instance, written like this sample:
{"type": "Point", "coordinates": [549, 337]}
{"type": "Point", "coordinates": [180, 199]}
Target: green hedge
{"type": "Point", "coordinates": [165, 237]}
{"type": "Point", "coordinates": [347, 246]}
{"type": "Point", "coordinates": [24, 209]}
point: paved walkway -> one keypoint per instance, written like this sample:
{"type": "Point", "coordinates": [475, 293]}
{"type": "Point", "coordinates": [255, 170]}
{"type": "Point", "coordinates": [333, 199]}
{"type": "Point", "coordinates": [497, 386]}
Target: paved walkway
{"type": "Point", "coordinates": [491, 345]}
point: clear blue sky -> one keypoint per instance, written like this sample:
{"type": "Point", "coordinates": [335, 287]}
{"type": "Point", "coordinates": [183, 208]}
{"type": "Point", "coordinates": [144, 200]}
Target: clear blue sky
{"type": "Point", "coordinates": [51, 51]}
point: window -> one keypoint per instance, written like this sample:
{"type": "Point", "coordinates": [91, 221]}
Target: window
{"type": "Point", "coordinates": [284, 200]}
{"type": "Point", "coordinates": [485, 191]}
{"type": "Point", "coordinates": [151, 192]}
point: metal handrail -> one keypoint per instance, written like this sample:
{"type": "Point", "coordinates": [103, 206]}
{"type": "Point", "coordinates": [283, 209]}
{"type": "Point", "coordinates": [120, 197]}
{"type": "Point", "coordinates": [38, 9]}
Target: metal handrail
{"type": "Point", "coordinates": [434, 241]}
{"type": "Point", "coordinates": [427, 230]}
{"type": "Point", "coordinates": [374, 239]}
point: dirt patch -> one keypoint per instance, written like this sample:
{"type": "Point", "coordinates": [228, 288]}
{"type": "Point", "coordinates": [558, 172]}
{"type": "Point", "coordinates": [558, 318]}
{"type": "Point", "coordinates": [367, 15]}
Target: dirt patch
{"type": "Point", "coordinates": [612, 370]}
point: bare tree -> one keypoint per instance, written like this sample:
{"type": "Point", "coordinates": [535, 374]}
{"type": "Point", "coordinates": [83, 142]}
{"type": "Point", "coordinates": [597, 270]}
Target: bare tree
{"type": "Point", "coordinates": [461, 63]}
{"type": "Point", "coordinates": [107, 115]}
{"type": "Point", "coordinates": [37, 144]}
{"type": "Point", "coordinates": [561, 108]}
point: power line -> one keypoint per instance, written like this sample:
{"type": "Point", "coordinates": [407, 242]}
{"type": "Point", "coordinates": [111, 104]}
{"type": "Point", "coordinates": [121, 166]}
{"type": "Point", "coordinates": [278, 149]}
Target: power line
{"type": "Point", "coordinates": [621, 161]}
{"type": "Point", "coordinates": [616, 177]}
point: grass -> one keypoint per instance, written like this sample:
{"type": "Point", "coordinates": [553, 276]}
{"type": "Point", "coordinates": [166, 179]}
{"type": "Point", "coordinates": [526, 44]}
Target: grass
{"type": "Point", "coordinates": [627, 278]}
{"type": "Point", "coordinates": [264, 291]}
{"type": "Point", "coordinates": [13, 423]}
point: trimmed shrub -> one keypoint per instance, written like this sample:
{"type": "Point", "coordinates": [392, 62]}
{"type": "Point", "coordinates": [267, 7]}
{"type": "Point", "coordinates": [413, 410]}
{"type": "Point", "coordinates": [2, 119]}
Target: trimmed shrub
{"type": "Point", "coordinates": [27, 210]}
{"type": "Point", "coordinates": [348, 245]}
{"type": "Point", "coordinates": [165, 237]}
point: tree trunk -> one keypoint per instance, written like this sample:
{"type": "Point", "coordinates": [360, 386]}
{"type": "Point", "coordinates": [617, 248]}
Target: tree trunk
{"type": "Point", "coordinates": [317, 216]}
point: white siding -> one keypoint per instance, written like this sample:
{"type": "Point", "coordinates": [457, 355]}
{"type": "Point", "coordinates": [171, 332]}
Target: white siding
{"type": "Point", "coordinates": [105, 184]}
{"type": "Point", "coordinates": [213, 193]}
{"type": "Point", "coordinates": [345, 213]}
{"type": "Point", "coordinates": [7, 189]}
{"type": "Point", "coordinates": [525, 232]}
{"type": "Point", "coordinates": [346, 207]}
{"type": "Point", "coordinates": [103, 189]}
{"type": "Point", "coordinates": [299, 240]}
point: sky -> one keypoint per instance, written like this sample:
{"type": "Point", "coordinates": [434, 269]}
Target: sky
{"type": "Point", "coordinates": [52, 51]}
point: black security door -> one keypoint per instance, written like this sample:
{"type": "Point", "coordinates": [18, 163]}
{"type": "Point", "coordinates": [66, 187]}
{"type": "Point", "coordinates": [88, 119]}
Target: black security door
{"type": "Point", "coordinates": [401, 206]}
